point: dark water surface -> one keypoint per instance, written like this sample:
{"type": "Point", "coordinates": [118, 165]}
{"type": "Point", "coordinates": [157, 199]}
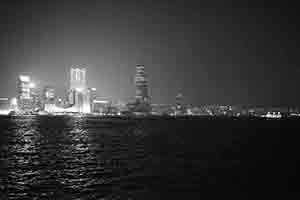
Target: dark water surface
{"type": "Point", "coordinates": [91, 158]}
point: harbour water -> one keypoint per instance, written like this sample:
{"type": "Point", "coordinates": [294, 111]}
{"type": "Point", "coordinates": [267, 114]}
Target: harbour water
{"type": "Point", "coordinates": [64, 157]}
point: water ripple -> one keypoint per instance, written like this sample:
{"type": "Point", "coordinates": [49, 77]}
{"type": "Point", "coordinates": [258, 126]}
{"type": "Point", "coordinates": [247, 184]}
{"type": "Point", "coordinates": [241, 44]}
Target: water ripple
{"type": "Point", "coordinates": [89, 158]}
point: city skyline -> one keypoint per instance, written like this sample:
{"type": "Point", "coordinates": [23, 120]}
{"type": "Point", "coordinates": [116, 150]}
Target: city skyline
{"type": "Point", "coordinates": [149, 99]}
{"type": "Point", "coordinates": [213, 53]}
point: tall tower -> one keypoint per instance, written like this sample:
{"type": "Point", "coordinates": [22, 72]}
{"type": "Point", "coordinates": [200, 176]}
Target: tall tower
{"type": "Point", "coordinates": [79, 95]}
{"type": "Point", "coordinates": [24, 89]}
{"type": "Point", "coordinates": [141, 106]}
{"type": "Point", "coordinates": [78, 79]}
{"type": "Point", "coordinates": [141, 84]}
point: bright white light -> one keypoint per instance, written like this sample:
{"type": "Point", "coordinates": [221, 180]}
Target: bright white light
{"type": "Point", "coordinates": [4, 112]}
{"type": "Point", "coordinates": [24, 78]}
{"type": "Point", "coordinates": [79, 89]}
{"type": "Point", "coordinates": [86, 108]}
{"type": "Point", "coordinates": [14, 101]}
{"type": "Point", "coordinates": [93, 89]}
{"type": "Point", "coordinates": [100, 101]}
{"type": "Point", "coordinates": [31, 85]}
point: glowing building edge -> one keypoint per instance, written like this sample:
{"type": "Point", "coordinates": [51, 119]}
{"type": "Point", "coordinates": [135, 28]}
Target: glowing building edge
{"type": "Point", "coordinates": [51, 108]}
{"type": "Point", "coordinates": [24, 78]}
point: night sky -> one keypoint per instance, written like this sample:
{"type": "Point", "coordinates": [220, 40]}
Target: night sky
{"type": "Point", "coordinates": [214, 52]}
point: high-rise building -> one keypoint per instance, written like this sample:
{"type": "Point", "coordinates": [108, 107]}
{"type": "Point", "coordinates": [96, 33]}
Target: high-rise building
{"type": "Point", "coordinates": [79, 96]}
{"type": "Point", "coordinates": [14, 104]}
{"type": "Point", "coordinates": [78, 79]}
{"type": "Point", "coordinates": [36, 96]}
{"type": "Point", "coordinates": [141, 84]}
{"type": "Point", "coordinates": [24, 90]}
{"type": "Point", "coordinates": [49, 95]}
{"type": "Point", "coordinates": [23, 87]}
{"type": "Point", "coordinates": [141, 106]}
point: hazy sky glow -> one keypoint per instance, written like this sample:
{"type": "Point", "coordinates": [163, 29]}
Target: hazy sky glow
{"type": "Point", "coordinates": [212, 52]}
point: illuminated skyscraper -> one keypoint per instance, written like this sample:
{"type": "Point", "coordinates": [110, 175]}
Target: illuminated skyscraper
{"type": "Point", "coordinates": [141, 84]}
{"type": "Point", "coordinates": [24, 90]}
{"type": "Point", "coordinates": [23, 87]}
{"type": "Point", "coordinates": [141, 106]}
{"type": "Point", "coordinates": [79, 96]}
{"type": "Point", "coordinates": [36, 97]}
{"type": "Point", "coordinates": [78, 79]}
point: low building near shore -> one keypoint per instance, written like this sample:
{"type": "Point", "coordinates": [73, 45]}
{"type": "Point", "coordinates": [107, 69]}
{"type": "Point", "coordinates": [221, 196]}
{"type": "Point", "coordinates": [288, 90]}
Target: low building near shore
{"type": "Point", "coordinates": [4, 106]}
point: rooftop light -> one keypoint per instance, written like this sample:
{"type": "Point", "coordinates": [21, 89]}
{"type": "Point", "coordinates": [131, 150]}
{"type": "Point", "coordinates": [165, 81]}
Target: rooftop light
{"type": "Point", "coordinates": [79, 89]}
{"type": "Point", "coordinates": [31, 85]}
{"type": "Point", "coordinates": [24, 78]}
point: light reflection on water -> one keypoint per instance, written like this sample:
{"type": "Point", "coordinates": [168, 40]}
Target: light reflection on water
{"type": "Point", "coordinates": [89, 158]}
{"type": "Point", "coordinates": [66, 158]}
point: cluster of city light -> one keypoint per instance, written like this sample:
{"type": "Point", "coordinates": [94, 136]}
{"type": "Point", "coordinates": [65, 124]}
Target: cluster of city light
{"type": "Point", "coordinates": [273, 115]}
{"type": "Point", "coordinates": [82, 99]}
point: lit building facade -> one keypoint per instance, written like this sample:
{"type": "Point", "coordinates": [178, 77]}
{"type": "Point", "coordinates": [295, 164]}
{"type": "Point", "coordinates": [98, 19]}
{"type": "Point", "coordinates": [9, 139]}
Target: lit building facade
{"type": "Point", "coordinates": [93, 96]}
{"type": "Point", "coordinates": [48, 96]}
{"type": "Point", "coordinates": [5, 106]}
{"type": "Point", "coordinates": [79, 95]}
{"type": "Point", "coordinates": [141, 106]}
{"type": "Point", "coordinates": [141, 84]}
{"type": "Point", "coordinates": [78, 79]}
{"type": "Point", "coordinates": [161, 109]}
{"type": "Point", "coordinates": [36, 96]}
{"type": "Point", "coordinates": [101, 106]}
{"type": "Point", "coordinates": [23, 87]}
{"type": "Point", "coordinates": [25, 92]}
